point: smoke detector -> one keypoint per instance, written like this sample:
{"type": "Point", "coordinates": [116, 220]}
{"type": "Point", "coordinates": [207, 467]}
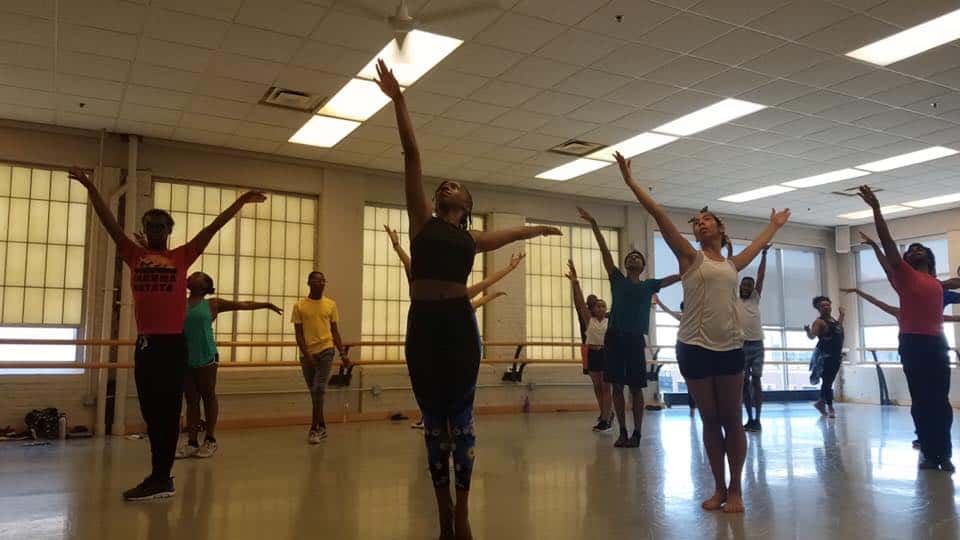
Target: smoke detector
{"type": "Point", "coordinates": [291, 99]}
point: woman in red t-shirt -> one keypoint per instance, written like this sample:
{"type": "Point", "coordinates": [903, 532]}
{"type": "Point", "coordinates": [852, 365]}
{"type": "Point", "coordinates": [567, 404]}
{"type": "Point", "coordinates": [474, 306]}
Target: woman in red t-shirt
{"type": "Point", "coordinates": [923, 347]}
{"type": "Point", "coordinates": [158, 277]}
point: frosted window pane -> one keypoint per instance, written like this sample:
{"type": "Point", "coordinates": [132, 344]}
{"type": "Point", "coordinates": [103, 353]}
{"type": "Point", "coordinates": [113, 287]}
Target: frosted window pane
{"type": "Point", "coordinates": [263, 209]}
{"type": "Point", "coordinates": [58, 223]}
{"type": "Point", "coordinates": [33, 306]}
{"type": "Point", "coordinates": [4, 217]}
{"type": "Point", "coordinates": [78, 194]}
{"type": "Point", "coordinates": [53, 306]}
{"type": "Point", "coordinates": [262, 238]}
{"type": "Point", "coordinates": [306, 242]}
{"type": "Point", "coordinates": [291, 279]}
{"type": "Point", "coordinates": [17, 226]}
{"type": "Point", "coordinates": [5, 180]}
{"type": "Point", "coordinates": [36, 263]}
{"type": "Point", "coordinates": [41, 184]}
{"type": "Point", "coordinates": [77, 228]}
{"type": "Point", "coordinates": [261, 276]}
{"type": "Point", "coordinates": [74, 277]}
{"type": "Point", "coordinates": [178, 198]}
{"type": "Point", "coordinates": [308, 211]}
{"type": "Point", "coordinates": [292, 240]}
{"type": "Point", "coordinates": [56, 266]}
{"type": "Point", "coordinates": [194, 224]}
{"type": "Point", "coordinates": [277, 230]}
{"type": "Point", "coordinates": [20, 186]}
{"type": "Point", "coordinates": [16, 264]}
{"type": "Point", "coordinates": [245, 276]}
{"type": "Point", "coordinates": [293, 209]}
{"type": "Point", "coordinates": [13, 305]}
{"type": "Point", "coordinates": [278, 207]}
{"type": "Point", "coordinates": [226, 284]}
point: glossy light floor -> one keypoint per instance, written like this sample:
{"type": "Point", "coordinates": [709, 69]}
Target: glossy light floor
{"type": "Point", "coordinates": [538, 476]}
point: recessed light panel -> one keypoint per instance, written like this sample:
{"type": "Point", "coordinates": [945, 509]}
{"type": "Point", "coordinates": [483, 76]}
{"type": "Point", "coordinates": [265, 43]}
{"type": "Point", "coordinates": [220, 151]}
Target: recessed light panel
{"type": "Point", "coordinates": [826, 178]}
{"type": "Point", "coordinates": [912, 158]}
{"type": "Point", "coordinates": [324, 131]}
{"type": "Point", "coordinates": [911, 41]}
{"type": "Point", "coordinates": [755, 194]}
{"type": "Point", "coordinates": [863, 214]}
{"type": "Point", "coordinates": [412, 59]}
{"type": "Point", "coordinates": [573, 169]}
{"type": "Point", "coordinates": [708, 117]}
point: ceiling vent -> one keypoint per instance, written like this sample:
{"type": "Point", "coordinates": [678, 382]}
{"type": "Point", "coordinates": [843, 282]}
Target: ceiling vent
{"type": "Point", "coordinates": [853, 192]}
{"type": "Point", "coordinates": [291, 99]}
{"type": "Point", "coordinates": [577, 148]}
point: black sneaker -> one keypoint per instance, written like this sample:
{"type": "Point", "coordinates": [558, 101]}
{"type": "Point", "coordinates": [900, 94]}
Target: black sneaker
{"type": "Point", "coordinates": [947, 466]}
{"type": "Point", "coordinates": [748, 426]}
{"type": "Point", "coordinates": [916, 444]}
{"type": "Point", "coordinates": [603, 427]}
{"type": "Point", "coordinates": [756, 425]}
{"type": "Point", "coordinates": [150, 489]}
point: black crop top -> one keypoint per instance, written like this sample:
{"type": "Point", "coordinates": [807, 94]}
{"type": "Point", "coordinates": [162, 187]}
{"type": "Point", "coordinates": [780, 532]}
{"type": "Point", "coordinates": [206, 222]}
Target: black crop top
{"type": "Point", "coordinates": [443, 252]}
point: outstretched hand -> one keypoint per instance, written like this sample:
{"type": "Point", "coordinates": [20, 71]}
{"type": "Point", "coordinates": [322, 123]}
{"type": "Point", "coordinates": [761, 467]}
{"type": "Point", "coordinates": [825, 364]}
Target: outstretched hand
{"type": "Point", "coordinates": [624, 165]}
{"type": "Point", "coordinates": [387, 81]}
{"type": "Point", "coordinates": [584, 215]}
{"type": "Point", "coordinates": [275, 309]}
{"type": "Point", "coordinates": [572, 272]}
{"type": "Point", "coordinates": [394, 236]}
{"type": "Point", "coordinates": [766, 248]}
{"type": "Point", "coordinates": [868, 196]}
{"type": "Point", "coordinates": [81, 176]}
{"type": "Point", "coordinates": [547, 230]}
{"type": "Point", "coordinates": [516, 259]}
{"type": "Point", "coordinates": [253, 197]}
{"type": "Point", "coordinates": [139, 238]}
{"type": "Point", "coordinates": [779, 218]}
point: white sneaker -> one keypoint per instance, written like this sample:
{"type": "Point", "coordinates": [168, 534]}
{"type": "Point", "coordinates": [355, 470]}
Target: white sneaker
{"type": "Point", "coordinates": [418, 425]}
{"type": "Point", "coordinates": [186, 450]}
{"type": "Point", "coordinates": [207, 449]}
{"type": "Point", "coordinates": [317, 435]}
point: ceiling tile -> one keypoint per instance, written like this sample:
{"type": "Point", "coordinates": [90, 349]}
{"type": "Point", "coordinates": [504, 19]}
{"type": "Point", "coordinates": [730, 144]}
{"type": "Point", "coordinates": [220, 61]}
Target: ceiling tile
{"type": "Point", "coordinates": [174, 55]}
{"type": "Point", "coordinates": [794, 147]}
{"type": "Point", "coordinates": [906, 13]}
{"type": "Point", "coordinates": [265, 132]}
{"type": "Point", "coordinates": [801, 18]}
{"type": "Point", "coordinates": [509, 153]}
{"type": "Point", "coordinates": [85, 121]}
{"type": "Point", "coordinates": [789, 58]}
{"type": "Point", "coordinates": [854, 110]}
{"type": "Point", "coordinates": [35, 79]}
{"type": "Point", "coordinates": [567, 13]}
{"type": "Point", "coordinates": [276, 116]}
{"type": "Point", "coordinates": [837, 134]}
{"type": "Point", "coordinates": [354, 32]}
{"type": "Point", "coordinates": [161, 77]}
{"type": "Point", "coordinates": [34, 8]}
{"type": "Point", "coordinates": [815, 102]}
{"type": "Point", "coordinates": [26, 55]}
{"type": "Point", "coordinates": [219, 107]}
{"type": "Point", "coordinates": [579, 47]}
{"type": "Point", "coordinates": [567, 128]}
{"type": "Point", "coordinates": [519, 33]}
{"type": "Point", "coordinates": [218, 9]}
{"type": "Point", "coordinates": [950, 77]}
{"type": "Point", "coordinates": [634, 60]}
{"type": "Point", "coordinates": [102, 42]}
{"type": "Point", "coordinates": [725, 133]}
{"type": "Point", "coordinates": [467, 148]}
{"type": "Point", "coordinates": [29, 98]}
{"type": "Point", "coordinates": [447, 127]}
{"type": "Point", "coordinates": [201, 136]}
{"type": "Point", "coordinates": [361, 146]}
{"type": "Point", "coordinates": [736, 11]}
{"type": "Point", "coordinates": [156, 97]}
{"type": "Point", "coordinates": [473, 111]}
{"type": "Point", "coordinates": [208, 123]}
{"type": "Point", "coordinates": [257, 43]}
{"type": "Point", "coordinates": [937, 105]}
{"type": "Point", "coordinates": [884, 120]}
{"type": "Point", "coordinates": [145, 129]}
{"type": "Point", "coordinates": [423, 102]}
{"type": "Point", "coordinates": [775, 93]}
{"type": "Point", "coordinates": [849, 34]}
{"type": "Point", "coordinates": [685, 32]}
{"type": "Point", "coordinates": [330, 58]}
{"type": "Point", "coordinates": [92, 65]}
{"type": "Point", "coordinates": [523, 120]}
{"type": "Point", "coordinates": [767, 118]}
{"type": "Point", "coordinates": [456, 18]}
{"type": "Point", "coordinates": [644, 120]}
{"type": "Point", "coordinates": [105, 14]}
{"type": "Point", "coordinates": [685, 71]}
{"type": "Point", "coordinates": [153, 115]}
{"type": "Point", "coordinates": [922, 126]}
{"type": "Point", "coordinates": [87, 87]}
{"type": "Point", "coordinates": [763, 139]}
{"type": "Point", "coordinates": [504, 93]}
{"type": "Point", "coordinates": [309, 80]}
{"type": "Point", "coordinates": [24, 29]}
{"type": "Point", "coordinates": [832, 71]}
{"type": "Point", "coordinates": [186, 29]}
{"type": "Point", "coordinates": [537, 141]}
{"type": "Point", "coordinates": [637, 17]}
{"type": "Point", "coordinates": [244, 68]}
{"type": "Point", "coordinates": [253, 145]}
{"type": "Point", "coordinates": [550, 102]}
{"type": "Point", "coordinates": [732, 82]}
{"type": "Point", "coordinates": [482, 60]}
{"type": "Point", "coordinates": [284, 16]}
{"type": "Point", "coordinates": [592, 83]}
{"type": "Point", "coordinates": [231, 89]}
{"type": "Point", "coordinates": [871, 83]}
{"type": "Point", "coordinates": [600, 111]}
{"type": "Point", "coordinates": [640, 93]}
{"type": "Point", "coordinates": [738, 46]}
{"type": "Point", "coordinates": [874, 140]}
{"type": "Point", "coordinates": [539, 72]}
{"type": "Point", "coordinates": [804, 126]}
{"type": "Point", "coordinates": [684, 102]}
{"type": "Point", "coordinates": [949, 137]}
{"type": "Point", "coordinates": [908, 93]}
{"type": "Point", "coordinates": [451, 83]}
{"type": "Point", "coordinates": [935, 60]}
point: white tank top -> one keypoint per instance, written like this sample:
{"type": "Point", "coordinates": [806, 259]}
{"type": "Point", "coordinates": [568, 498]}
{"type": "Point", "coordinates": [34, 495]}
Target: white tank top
{"type": "Point", "coordinates": [710, 312]}
{"type": "Point", "coordinates": [596, 330]}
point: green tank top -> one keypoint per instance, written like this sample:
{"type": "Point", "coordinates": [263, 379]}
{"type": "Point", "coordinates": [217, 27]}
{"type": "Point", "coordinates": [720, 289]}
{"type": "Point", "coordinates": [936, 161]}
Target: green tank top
{"type": "Point", "coordinates": [198, 329]}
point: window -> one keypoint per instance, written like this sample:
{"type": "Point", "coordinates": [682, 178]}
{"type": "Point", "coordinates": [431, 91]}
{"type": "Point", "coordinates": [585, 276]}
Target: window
{"type": "Point", "coordinates": [263, 255]}
{"type": "Point", "coordinates": [879, 330]}
{"type": "Point", "coordinates": [793, 277]}
{"type": "Point", "coordinates": [386, 293]}
{"type": "Point", "coordinates": [43, 226]}
{"type": "Point", "coordinates": [550, 312]}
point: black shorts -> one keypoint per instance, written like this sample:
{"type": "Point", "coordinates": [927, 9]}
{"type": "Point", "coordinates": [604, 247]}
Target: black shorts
{"type": "Point", "coordinates": [699, 363]}
{"type": "Point", "coordinates": [626, 358]}
{"type": "Point", "coordinates": [596, 359]}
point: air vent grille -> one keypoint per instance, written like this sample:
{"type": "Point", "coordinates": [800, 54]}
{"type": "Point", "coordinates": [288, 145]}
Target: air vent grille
{"type": "Point", "coordinates": [291, 99]}
{"type": "Point", "coordinates": [577, 148]}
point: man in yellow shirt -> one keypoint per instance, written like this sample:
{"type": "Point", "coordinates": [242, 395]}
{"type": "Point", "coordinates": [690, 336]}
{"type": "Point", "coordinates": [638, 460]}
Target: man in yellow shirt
{"type": "Point", "coordinates": [315, 323]}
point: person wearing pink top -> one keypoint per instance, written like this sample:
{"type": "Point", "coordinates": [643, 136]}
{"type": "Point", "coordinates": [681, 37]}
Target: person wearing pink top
{"type": "Point", "coordinates": [923, 347]}
{"type": "Point", "coordinates": [158, 277]}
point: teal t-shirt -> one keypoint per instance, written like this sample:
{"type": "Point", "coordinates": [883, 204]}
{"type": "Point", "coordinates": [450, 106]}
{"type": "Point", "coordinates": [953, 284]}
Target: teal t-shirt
{"type": "Point", "coordinates": [630, 311]}
{"type": "Point", "coordinates": [198, 331]}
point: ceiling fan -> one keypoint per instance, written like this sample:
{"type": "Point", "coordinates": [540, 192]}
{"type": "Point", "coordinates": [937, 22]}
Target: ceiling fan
{"type": "Point", "coordinates": [402, 23]}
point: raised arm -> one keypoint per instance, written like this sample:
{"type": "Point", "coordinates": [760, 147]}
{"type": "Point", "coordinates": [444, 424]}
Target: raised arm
{"type": "Point", "coordinates": [103, 212]}
{"type": "Point", "coordinates": [481, 286]}
{"type": "Point", "coordinates": [890, 250]}
{"type": "Point", "coordinates": [578, 301]}
{"type": "Point", "coordinates": [665, 309]}
{"type": "Point", "coordinates": [202, 239]}
{"type": "Point", "coordinates": [418, 207]}
{"type": "Point", "coordinates": [777, 220]}
{"type": "Point", "coordinates": [395, 241]}
{"type": "Point", "coordinates": [762, 271]}
{"type": "Point", "coordinates": [478, 303]}
{"type": "Point", "coordinates": [669, 280]}
{"type": "Point", "coordinates": [222, 305]}
{"type": "Point", "coordinates": [883, 306]}
{"type": "Point", "coordinates": [681, 248]}
{"type": "Point", "coordinates": [881, 258]}
{"type": "Point", "coordinates": [493, 240]}
{"type": "Point", "coordinates": [816, 329]}
{"type": "Point", "coordinates": [608, 263]}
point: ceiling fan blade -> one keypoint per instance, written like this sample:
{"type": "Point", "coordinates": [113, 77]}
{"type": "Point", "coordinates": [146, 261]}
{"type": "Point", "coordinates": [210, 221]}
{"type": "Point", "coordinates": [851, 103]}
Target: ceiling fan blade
{"type": "Point", "coordinates": [456, 12]}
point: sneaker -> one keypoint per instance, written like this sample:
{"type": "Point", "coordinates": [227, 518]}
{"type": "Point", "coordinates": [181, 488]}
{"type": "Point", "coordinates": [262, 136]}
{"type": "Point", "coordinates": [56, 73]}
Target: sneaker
{"type": "Point", "coordinates": [820, 407]}
{"type": "Point", "coordinates": [756, 425]}
{"type": "Point", "coordinates": [916, 444]}
{"type": "Point", "coordinates": [208, 449]}
{"type": "Point", "coordinates": [317, 435]}
{"type": "Point", "coordinates": [186, 450]}
{"type": "Point", "coordinates": [947, 466]}
{"type": "Point", "coordinates": [418, 425]}
{"type": "Point", "coordinates": [603, 427]}
{"type": "Point", "coordinates": [748, 426]}
{"type": "Point", "coordinates": [634, 440]}
{"type": "Point", "coordinates": [150, 489]}
{"type": "Point", "coordinates": [927, 464]}
{"type": "Point", "coordinates": [831, 413]}
{"type": "Point", "coordinates": [623, 441]}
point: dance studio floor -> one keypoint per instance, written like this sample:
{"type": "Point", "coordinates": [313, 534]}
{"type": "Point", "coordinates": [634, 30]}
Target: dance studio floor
{"type": "Point", "coordinates": [542, 476]}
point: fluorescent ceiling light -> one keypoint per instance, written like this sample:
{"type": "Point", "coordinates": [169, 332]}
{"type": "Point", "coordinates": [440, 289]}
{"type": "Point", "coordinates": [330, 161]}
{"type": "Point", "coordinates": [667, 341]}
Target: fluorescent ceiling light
{"type": "Point", "coordinates": [633, 146]}
{"type": "Point", "coordinates": [911, 41]}
{"type": "Point", "coordinates": [573, 169]}
{"type": "Point", "coordinates": [754, 194]}
{"type": "Point", "coordinates": [708, 117]}
{"type": "Point", "coordinates": [357, 100]}
{"type": "Point", "coordinates": [886, 210]}
{"type": "Point", "coordinates": [417, 55]}
{"type": "Point", "coordinates": [324, 131]}
{"type": "Point", "coordinates": [826, 178]}
{"type": "Point", "coordinates": [934, 201]}
{"type": "Point", "coordinates": [912, 158]}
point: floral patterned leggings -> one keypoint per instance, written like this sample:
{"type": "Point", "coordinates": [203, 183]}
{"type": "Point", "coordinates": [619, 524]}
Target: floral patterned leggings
{"type": "Point", "coordinates": [454, 435]}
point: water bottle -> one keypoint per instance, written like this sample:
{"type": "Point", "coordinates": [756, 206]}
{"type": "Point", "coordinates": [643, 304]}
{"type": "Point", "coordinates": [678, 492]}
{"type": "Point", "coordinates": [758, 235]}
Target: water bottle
{"type": "Point", "coordinates": [62, 427]}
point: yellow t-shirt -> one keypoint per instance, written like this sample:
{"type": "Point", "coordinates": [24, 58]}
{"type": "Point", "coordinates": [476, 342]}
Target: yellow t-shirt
{"type": "Point", "coordinates": [316, 317]}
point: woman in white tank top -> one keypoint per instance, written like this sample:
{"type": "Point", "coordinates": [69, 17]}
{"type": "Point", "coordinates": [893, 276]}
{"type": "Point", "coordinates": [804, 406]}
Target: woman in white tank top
{"type": "Point", "coordinates": [709, 342]}
{"type": "Point", "coordinates": [594, 319]}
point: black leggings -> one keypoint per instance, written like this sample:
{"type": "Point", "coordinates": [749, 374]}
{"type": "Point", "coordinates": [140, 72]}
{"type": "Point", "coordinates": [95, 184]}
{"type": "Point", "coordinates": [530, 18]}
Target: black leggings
{"type": "Point", "coordinates": [160, 364]}
{"type": "Point", "coordinates": [831, 367]}
{"type": "Point", "coordinates": [927, 367]}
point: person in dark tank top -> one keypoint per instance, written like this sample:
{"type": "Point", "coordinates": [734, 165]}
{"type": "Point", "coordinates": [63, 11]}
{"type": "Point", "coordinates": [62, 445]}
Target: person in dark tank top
{"type": "Point", "coordinates": [828, 353]}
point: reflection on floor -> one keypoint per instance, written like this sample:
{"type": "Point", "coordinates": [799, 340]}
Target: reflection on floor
{"type": "Point", "coordinates": [538, 476]}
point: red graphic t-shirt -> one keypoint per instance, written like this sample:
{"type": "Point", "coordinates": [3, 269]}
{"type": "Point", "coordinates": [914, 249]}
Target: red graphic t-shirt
{"type": "Point", "coordinates": [159, 282]}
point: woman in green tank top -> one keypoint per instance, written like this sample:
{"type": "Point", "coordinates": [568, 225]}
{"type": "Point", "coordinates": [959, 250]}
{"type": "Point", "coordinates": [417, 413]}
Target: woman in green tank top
{"type": "Point", "coordinates": [201, 380]}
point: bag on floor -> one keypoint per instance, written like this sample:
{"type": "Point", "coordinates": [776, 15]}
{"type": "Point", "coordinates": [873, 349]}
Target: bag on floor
{"type": "Point", "coordinates": [45, 423]}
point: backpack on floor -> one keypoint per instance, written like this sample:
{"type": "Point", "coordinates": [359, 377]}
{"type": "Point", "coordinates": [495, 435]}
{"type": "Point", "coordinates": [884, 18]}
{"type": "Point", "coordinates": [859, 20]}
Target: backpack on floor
{"type": "Point", "coordinates": [43, 422]}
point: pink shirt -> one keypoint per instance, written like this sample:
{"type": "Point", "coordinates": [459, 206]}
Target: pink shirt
{"type": "Point", "coordinates": [159, 283]}
{"type": "Point", "coordinates": [921, 301]}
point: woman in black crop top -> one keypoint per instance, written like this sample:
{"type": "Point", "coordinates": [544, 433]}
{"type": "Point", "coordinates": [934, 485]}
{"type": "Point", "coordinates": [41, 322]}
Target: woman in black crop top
{"type": "Point", "coordinates": [443, 343]}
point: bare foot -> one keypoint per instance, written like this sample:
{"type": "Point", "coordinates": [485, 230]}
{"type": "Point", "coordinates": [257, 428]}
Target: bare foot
{"type": "Point", "coordinates": [716, 501]}
{"type": "Point", "coordinates": [820, 407]}
{"type": "Point", "coordinates": [734, 504]}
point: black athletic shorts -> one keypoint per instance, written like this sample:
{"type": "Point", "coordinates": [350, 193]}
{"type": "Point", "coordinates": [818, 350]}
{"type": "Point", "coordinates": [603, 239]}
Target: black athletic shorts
{"type": "Point", "coordinates": [596, 359]}
{"type": "Point", "coordinates": [699, 363]}
{"type": "Point", "coordinates": [626, 358]}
